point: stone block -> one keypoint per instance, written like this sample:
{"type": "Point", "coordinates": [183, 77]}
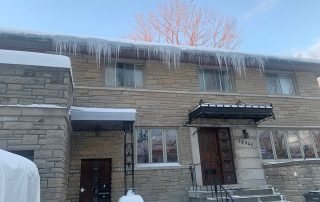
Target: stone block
{"type": "Point", "coordinates": [30, 139]}
{"type": "Point", "coordinates": [17, 125]}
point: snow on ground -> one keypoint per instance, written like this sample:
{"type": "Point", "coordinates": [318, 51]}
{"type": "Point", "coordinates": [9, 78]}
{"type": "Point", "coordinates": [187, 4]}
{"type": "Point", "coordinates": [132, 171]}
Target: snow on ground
{"type": "Point", "coordinates": [36, 106]}
{"type": "Point", "coordinates": [31, 58]}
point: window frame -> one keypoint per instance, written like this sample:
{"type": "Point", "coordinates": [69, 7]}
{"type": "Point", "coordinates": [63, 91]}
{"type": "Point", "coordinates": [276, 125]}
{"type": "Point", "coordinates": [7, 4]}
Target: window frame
{"type": "Point", "coordinates": [314, 146]}
{"type": "Point", "coordinates": [164, 145]}
{"type": "Point", "coordinates": [129, 62]}
{"type": "Point", "coordinates": [215, 68]}
{"type": "Point", "coordinates": [292, 75]}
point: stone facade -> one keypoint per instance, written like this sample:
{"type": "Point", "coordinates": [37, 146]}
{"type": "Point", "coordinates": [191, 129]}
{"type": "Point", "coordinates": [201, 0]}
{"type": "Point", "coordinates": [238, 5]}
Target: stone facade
{"type": "Point", "coordinates": [294, 178]}
{"type": "Point", "coordinates": [169, 94]}
{"type": "Point", "coordinates": [47, 132]}
{"type": "Point", "coordinates": [43, 129]}
{"type": "Point", "coordinates": [164, 101]}
{"type": "Point", "coordinates": [25, 85]}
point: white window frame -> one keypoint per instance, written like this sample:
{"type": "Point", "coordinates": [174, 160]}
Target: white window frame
{"type": "Point", "coordinates": [278, 73]}
{"type": "Point", "coordinates": [164, 145]}
{"type": "Point", "coordinates": [114, 65]}
{"type": "Point", "coordinates": [228, 71]}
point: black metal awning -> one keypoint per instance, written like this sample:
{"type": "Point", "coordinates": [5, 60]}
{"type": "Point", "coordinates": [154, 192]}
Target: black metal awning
{"type": "Point", "coordinates": [231, 111]}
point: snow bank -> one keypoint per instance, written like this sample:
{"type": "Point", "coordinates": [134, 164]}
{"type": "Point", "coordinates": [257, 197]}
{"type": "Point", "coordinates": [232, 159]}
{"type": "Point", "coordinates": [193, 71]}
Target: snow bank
{"type": "Point", "coordinates": [31, 58]}
{"type": "Point", "coordinates": [36, 106]}
{"type": "Point", "coordinates": [19, 179]}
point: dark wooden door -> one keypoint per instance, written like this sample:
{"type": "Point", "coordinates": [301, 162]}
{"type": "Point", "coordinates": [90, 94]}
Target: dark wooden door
{"type": "Point", "coordinates": [95, 182]}
{"type": "Point", "coordinates": [216, 156]}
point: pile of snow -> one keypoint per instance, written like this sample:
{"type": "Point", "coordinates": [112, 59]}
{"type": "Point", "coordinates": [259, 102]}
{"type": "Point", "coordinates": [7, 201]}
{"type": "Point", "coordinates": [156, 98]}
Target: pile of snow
{"type": "Point", "coordinates": [130, 197]}
{"type": "Point", "coordinates": [36, 106]}
{"type": "Point", "coordinates": [19, 179]}
{"type": "Point", "coordinates": [32, 58]}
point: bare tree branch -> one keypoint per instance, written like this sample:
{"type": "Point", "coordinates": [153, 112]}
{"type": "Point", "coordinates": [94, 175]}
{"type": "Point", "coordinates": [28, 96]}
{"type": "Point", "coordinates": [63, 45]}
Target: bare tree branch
{"type": "Point", "coordinates": [183, 23]}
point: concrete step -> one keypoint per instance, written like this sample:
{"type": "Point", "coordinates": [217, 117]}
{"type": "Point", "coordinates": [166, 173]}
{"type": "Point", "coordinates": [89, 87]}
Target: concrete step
{"type": "Point", "coordinates": [248, 192]}
{"type": "Point", "coordinates": [257, 194]}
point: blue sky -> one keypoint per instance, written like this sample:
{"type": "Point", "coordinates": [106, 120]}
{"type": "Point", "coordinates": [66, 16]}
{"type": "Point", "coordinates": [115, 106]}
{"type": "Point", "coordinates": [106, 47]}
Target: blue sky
{"type": "Point", "coordinates": [266, 26]}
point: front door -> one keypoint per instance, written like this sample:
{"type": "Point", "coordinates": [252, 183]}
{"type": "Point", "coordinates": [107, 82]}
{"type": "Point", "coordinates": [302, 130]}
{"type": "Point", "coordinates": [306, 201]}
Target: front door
{"type": "Point", "coordinates": [95, 182]}
{"type": "Point", "coordinates": [216, 156]}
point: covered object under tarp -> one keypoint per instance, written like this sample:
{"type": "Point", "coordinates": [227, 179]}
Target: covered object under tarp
{"type": "Point", "coordinates": [19, 179]}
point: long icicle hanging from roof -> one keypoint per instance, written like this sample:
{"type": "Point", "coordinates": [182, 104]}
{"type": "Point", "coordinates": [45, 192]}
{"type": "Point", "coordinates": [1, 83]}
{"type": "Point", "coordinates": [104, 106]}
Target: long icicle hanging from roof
{"type": "Point", "coordinates": [170, 55]}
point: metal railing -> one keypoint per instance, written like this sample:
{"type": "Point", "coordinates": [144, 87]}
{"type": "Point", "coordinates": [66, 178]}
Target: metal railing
{"type": "Point", "coordinates": [211, 180]}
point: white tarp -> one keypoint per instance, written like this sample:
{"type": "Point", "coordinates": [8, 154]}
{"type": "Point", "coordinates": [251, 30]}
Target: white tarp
{"type": "Point", "coordinates": [19, 179]}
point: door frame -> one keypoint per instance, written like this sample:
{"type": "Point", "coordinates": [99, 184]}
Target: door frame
{"type": "Point", "coordinates": [195, 150]}
{"type": "Point", "coordinates": [96, 159]}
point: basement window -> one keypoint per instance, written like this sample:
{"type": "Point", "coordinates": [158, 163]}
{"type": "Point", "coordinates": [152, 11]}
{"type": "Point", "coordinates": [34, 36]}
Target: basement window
{"type": "Point", "coordinates": [125, 75]}
{"type": "Point", "coordinates": [156, 145]}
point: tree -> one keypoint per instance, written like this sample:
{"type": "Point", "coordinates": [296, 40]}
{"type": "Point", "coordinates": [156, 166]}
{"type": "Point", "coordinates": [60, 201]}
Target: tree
{"type": "Point", "coordinates": [181, 23]}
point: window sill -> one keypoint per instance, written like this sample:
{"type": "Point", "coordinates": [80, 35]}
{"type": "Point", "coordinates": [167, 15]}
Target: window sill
{"type": "Point", "coordinates": [287, 162]}
{"type": "Point", "coordinates": [152, 166]}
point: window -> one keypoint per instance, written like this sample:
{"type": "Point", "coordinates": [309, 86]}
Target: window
{"type": "Point", "coordinates": [156, 145]}
{"type": "Point", "coordinates": [265, 145]}
{"type": "Point", "coordinates": [29, 154]}
{"type": "Point", "coordinates": [214, 80]}
{"type": "Point", "coordinates": [280, 83]}
{"type": "Point", "coordinates": [125, 75]}
{"type": "Point", "coordinates": [289, 144]}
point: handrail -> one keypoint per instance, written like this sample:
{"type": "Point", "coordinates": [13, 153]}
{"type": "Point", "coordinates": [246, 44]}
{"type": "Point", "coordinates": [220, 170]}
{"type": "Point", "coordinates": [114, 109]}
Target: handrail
{"type": "Point", "coordinates": [211, 177]}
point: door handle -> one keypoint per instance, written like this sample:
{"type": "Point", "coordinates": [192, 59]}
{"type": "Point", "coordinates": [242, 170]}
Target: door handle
{"type": "Point", "coordinates": [82, 190]}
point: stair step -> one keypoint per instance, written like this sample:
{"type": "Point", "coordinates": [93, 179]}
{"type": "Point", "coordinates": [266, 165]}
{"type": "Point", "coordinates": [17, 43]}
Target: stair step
{"type": "Point", "coordinates": [256, 198]}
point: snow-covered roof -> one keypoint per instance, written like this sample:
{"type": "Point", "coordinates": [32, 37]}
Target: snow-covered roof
{"type": "Point", "coordinates": [19, 178]}
{"type": "Point", "coordinates": [109, 119]}
{"type": "Point", "coordinates": [102, 114]}
{"type": "Point", "coordinates": [171, 55]}
{"type": "Point", "coordinates": [32, 58]}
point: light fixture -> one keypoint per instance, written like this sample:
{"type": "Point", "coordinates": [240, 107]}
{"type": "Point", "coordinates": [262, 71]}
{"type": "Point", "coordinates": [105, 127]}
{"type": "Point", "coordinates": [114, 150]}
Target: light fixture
{"type": "Point", "coordinates": [245, 134]}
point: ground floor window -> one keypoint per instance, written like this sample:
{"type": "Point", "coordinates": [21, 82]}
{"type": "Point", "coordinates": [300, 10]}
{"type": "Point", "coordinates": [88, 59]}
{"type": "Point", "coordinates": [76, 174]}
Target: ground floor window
{"type": "Point", "coordinates": [289, 144]}
{"type": "Point", "coordinates": [156, 145]}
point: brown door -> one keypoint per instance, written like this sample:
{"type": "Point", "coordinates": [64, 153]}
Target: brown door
{"type": "Point", "coordinates": [216, 156]}
{"type": "Point", "coordinates": [95, 182]}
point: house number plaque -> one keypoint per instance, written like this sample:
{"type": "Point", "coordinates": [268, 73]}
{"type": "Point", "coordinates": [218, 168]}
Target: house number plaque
{"type": "Point", "coordinates": [245, 142]}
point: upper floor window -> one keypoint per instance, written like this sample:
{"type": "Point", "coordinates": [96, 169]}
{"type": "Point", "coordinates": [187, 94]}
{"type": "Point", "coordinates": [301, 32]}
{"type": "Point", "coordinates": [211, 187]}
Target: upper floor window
{"type": "Point", "coordinates": [125, 75]}
{"type": "Point", "coordinates": [280, 83]}
{"type": "Point", "coordinates": [215, 80]}
{"type": "Point", "coordinates": [155, 145]}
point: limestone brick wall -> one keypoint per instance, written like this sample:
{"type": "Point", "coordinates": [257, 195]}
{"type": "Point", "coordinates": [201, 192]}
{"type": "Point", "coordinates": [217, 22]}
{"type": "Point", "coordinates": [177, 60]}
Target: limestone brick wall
{"type": "Point", "coordinates": [171, 108]}
{"type": "Point", "coordinates": [294, 178]}
{"type": "Point", "coordinates": [24, 85]}
{"type": "Point", "coordinates": [166, 99]}
{"type": "Point", "coordinates": [185, 78]}
{"type": "Point", "coordinates": [46, 131]}
{"type": "Point", "coordinates": [151, 184]}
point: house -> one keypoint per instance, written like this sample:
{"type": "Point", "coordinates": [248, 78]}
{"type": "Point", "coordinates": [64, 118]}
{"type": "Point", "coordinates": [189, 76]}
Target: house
{"type": "Point", "coordinates": [101, 116]}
